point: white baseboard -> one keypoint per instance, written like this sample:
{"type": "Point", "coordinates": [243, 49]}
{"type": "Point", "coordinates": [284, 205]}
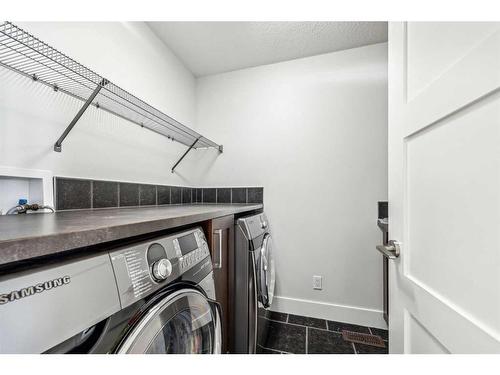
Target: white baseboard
{"type": "Point", "coordinates": [330, 311]}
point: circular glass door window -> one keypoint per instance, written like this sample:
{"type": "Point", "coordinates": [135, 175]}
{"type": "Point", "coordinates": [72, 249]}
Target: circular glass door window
{"type": "Point", "coordinates": [183, 323]}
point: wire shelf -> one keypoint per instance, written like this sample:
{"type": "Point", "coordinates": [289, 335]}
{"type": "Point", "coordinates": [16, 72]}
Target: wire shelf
{"type": "Point", "coordinates": [29, 56]}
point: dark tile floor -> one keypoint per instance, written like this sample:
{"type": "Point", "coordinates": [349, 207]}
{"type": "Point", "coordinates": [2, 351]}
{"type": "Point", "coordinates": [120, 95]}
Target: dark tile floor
{"type": "Point", "coordinates": [294, 334]}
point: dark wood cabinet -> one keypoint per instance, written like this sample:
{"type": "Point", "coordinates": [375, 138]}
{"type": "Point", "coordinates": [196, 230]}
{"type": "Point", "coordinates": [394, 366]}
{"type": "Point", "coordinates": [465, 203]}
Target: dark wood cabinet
{"type": "Point", "coordinates": [220, 235]}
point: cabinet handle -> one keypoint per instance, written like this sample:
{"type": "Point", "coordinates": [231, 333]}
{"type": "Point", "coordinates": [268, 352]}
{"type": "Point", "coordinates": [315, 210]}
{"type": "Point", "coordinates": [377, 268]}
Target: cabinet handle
{"type": "Point", "coordinates": [217, 264]}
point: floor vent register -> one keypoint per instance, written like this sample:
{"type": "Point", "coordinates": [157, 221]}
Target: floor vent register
{"type": "Point", "coordinates": [363, 338]}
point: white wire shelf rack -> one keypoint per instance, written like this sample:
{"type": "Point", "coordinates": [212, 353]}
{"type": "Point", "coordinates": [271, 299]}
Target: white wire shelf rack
{"type": "Point", "coordinates": [27, 55]}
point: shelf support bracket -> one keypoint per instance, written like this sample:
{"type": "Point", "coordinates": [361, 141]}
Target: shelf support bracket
{"type": "Point", "coordinates": [58, 144]}
{"type": "Point", "coordinates": [184, 155]}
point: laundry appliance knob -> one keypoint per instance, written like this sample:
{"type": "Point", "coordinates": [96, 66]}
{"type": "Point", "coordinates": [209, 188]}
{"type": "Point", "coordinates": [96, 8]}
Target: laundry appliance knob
{"type": "Point", "coordinates": [162, 269]}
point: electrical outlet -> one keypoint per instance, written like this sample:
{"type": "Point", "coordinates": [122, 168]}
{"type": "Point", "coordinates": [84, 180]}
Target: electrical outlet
{"type": "Point", "coordinates": [318, 282]}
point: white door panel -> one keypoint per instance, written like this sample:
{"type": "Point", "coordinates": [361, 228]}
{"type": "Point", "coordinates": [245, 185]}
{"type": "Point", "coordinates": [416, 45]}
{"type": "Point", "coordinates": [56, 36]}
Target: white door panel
{"type": "Point", "coordinates": [444, 187]}
{"type": "Point", "coordinates": [474, 75]}
{"type": "Point", "coordinates": [418, 340]}
{"type": "Point", "coordinates": [434, 47]}
{"type": "Point", "coordinates": [447, 241]}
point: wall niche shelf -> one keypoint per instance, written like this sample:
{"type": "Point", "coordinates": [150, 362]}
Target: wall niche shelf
{"type": "Point", "coordinates": [32, 58]}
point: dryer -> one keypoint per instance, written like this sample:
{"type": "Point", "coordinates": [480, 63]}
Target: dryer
{"type": "Point", "coordinates": [254, 281]}
{"type": "Point", "coordinates": [154, 296]}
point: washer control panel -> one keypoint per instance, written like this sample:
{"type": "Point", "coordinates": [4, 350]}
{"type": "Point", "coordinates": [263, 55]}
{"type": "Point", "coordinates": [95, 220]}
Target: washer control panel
{"type": "Point", "coordinates": [254, 226]}
{"type": "Point", "coordinates": [145, 267]}
{"type": "Point", "coordinates": [191, 250]}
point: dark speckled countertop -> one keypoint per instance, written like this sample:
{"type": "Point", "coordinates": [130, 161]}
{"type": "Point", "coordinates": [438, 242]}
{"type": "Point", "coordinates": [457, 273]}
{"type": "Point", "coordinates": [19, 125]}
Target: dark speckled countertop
{"type": "Point", "coordinates": [24, 237]}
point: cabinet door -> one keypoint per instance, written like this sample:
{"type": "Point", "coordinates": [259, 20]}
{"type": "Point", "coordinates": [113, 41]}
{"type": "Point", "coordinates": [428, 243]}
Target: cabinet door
{"type": "Point", "coordinates": [221, 239]}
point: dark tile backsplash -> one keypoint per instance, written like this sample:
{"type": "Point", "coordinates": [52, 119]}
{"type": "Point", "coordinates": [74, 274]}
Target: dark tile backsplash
{"type": "Point", "coordinates": [239, 195]}
{"type": "Point", "coordinates": [255, 195]}
{"type": "Point", "coordinates": [187, 195]}
{"type": "Point", "coordinates": [147, 195]}
{"type": "Point", "coordinates": [197, 195]}
{"type": "Point", "coordinates": [104, 194]}
{"type": "Point", "coordinates": [383, 209]}
{"type": "Point", "coordinates": [163, 194]}
{"type": "Point", "coordinates": [223, 195]}
{"type": "Point", "coordinates": [209, 195]}
{"type": "Point", "coordinates": [72, 193]}
{"type": "Point", "coordinates": [129, 194]}
{"type": "Point", "coordinates": [175, 195]}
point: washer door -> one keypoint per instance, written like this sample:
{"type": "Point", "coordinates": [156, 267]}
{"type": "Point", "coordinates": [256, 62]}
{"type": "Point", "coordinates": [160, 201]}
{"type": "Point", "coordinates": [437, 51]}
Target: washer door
{"type": "Point", "coordinates": [265, 272]}
{"type": "Point", "coordinates": [185, 322]}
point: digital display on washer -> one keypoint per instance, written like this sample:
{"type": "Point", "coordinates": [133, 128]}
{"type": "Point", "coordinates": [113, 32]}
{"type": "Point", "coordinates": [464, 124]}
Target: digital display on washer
{"type": "Point", "coordinates": [187, 243]}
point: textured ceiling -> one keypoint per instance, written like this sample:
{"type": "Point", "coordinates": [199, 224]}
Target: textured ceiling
{"type": "Point", "coordinates": [216, 47]}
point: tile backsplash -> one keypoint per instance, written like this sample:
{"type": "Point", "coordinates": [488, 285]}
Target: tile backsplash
{"type": "Point", "coordinates": [72, 193]}
{"type": "Point", "coordinates": [383, 209]}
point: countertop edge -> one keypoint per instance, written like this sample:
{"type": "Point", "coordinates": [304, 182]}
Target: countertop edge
{"type": "Point", "coordinates": [15, 250]}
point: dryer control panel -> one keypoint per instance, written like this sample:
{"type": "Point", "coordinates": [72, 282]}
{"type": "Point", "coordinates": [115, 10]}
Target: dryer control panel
{"type": "Point", "coordinates": [145, 267]}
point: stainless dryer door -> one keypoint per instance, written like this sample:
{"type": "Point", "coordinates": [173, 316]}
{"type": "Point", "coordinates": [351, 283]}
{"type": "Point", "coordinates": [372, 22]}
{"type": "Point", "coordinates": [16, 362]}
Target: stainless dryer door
{"type": "Point", "coordinates": [185, 322]}
{"type": "Point", "coordinates": [265, 272]}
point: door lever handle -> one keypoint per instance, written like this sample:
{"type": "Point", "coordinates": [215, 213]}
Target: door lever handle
{"type": "Point", "coordinates": [391, 250]}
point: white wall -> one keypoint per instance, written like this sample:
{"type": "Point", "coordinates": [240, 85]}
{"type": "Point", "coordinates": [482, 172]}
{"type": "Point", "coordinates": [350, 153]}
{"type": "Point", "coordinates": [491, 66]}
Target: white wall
{"type": "Point", "coordinates": [313, 132]}
{"type": "Point", "coordinates": [101, 145]}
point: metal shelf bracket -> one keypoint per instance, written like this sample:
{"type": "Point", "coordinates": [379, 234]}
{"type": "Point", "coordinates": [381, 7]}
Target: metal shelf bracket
{"type": "Point", "coordinates": [221, 150]}
{"type": "Point", "coordinates": [184, 155]}
{"type": "Point", "coordinates": [58, 144]}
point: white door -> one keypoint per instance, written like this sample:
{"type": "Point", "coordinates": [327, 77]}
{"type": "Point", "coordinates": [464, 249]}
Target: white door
{"type": "Point", "coordinates": [444, 187]}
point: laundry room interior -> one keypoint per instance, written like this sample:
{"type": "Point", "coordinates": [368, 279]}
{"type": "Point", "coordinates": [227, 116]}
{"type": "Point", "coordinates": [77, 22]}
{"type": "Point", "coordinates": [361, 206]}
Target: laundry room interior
{"type": "Point", "coordinates": [238, 187]}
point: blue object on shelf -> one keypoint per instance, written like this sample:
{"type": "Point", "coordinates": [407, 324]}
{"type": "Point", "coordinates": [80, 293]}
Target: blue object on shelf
{"type": "Point", "coordinates": [23, 201]}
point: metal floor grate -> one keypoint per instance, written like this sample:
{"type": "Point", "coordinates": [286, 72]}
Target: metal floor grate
{"type": "Point", "coordinates": [363, 338]}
